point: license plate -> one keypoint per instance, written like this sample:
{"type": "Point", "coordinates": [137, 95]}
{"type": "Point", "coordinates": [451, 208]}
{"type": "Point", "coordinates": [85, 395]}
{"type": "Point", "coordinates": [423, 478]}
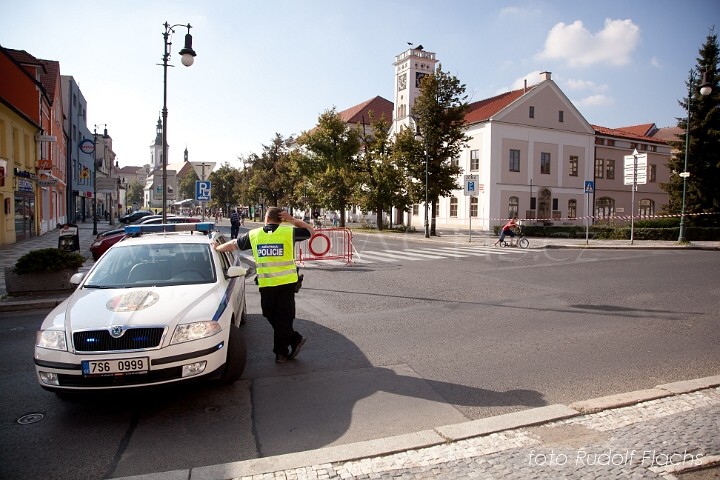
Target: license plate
{"type": "Point", "coordinates": [121, 366]}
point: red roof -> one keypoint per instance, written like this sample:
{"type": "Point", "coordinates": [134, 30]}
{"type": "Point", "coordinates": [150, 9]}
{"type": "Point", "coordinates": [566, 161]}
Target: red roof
{"type": "Point", "coordinates": [484, 109]}
{"type": "Point", "coordinates": [644, 130]}
{"type": "Point", "coordinates": [359, 113]}
{"type": "Point", "coordinates": [614, 132]}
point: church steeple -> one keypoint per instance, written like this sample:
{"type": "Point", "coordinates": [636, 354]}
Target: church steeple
{"type": "Point", "coordinates": [186, 153]}
{"type": "Point", "coordinates": [158, 132]}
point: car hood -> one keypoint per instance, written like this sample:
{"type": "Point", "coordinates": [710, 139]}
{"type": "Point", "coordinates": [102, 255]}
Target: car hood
{"type": "Point", "coordinates": [90, 309]}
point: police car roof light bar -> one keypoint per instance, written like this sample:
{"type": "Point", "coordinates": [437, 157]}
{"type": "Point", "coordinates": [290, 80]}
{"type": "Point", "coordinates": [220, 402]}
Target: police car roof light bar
{"type": "Point", "coordinates": [204, 227]}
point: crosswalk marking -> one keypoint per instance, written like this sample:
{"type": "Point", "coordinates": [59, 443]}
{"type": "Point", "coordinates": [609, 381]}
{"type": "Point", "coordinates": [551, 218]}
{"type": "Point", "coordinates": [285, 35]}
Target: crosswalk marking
{"type": "Point", "coordinates": [428, 253]}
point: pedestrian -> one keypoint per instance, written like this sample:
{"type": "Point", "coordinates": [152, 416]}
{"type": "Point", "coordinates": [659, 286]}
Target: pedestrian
{"type": "Point", "coordinates": [234, 224]}
{"type": "Point", "coordinates": [274, 253]}
{"type": "Point", "coordinates": [507, 229]}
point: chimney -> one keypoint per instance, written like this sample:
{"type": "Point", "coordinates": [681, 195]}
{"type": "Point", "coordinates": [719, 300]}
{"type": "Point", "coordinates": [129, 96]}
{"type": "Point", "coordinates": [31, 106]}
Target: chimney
{"type": "Point", "coordinates": [525, 86]}
{"type": "Point", "coordinates": [545, 76]}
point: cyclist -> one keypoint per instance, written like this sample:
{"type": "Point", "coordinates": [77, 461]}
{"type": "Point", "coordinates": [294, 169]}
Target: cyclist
{"type": "Point", "coordinates": [509, 230]}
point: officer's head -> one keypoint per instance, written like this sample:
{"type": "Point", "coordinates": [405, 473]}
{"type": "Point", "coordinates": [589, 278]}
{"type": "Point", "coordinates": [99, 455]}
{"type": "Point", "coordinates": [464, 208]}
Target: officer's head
{"type": "Point", "coordinates": [273, 215]}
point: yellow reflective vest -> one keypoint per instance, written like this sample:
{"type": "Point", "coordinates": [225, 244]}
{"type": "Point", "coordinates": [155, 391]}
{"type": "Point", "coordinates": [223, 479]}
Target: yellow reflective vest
{"type": "Point", "coordinates": [275, 256]}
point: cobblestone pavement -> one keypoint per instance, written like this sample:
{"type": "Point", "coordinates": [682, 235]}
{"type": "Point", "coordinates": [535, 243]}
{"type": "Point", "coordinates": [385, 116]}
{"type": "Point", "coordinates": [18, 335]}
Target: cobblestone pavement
{"type": "Point", "coordinates": [654, 439]}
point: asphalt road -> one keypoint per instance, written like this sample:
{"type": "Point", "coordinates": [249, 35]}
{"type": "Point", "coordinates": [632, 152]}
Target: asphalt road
{"type": "Point", "coordinates": [400, 342]}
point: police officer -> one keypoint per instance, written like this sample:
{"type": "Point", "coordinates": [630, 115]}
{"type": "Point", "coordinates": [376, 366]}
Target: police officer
{"type": "Point", "coordinates": [273, 249]}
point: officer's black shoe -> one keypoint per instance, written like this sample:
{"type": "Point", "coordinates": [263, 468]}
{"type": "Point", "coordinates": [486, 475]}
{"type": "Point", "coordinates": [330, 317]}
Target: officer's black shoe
{"type": "Point", "coordinates": [298, 284]}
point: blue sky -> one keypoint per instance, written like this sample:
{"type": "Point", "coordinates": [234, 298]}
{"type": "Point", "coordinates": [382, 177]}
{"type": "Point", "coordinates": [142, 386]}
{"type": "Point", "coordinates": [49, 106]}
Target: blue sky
{"type": "Point", "coordinates": [272, 66]}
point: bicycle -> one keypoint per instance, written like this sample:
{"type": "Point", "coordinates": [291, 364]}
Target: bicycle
{"type": "Point", "coordinates": [520, 240]}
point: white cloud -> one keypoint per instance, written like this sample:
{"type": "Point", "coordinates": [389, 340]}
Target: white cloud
{"type": "Point", "coordinates": [578, 47]}
{"type": "Point", "coordinates": [594, 101]}
{"type": "Point", "coordinates": [655, 62]}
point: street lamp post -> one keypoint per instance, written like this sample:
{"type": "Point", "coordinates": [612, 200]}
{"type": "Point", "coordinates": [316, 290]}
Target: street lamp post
{"type": "Point", "coordinates": [188, 55]}
{"type": "Point", "coordinates": [418, 137]}
{"type": "Point", "coordinates": [705, 89]}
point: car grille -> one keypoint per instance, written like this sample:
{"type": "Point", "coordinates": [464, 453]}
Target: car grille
{"type": "Point", "coordinates": [132, 339]}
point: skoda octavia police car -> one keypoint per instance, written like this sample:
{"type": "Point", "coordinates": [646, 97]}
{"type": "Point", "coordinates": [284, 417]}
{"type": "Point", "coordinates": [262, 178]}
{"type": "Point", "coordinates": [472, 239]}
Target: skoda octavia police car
{"type": "Point", "coordinates": [160, 306]}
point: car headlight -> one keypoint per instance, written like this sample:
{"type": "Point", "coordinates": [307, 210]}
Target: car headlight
{"type": "Point", "coordinates": [195, 331]}
{"type": "Point", "coordinates": [53, 339]}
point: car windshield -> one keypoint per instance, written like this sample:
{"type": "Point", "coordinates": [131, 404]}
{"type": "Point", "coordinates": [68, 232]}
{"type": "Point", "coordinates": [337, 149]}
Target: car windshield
{"type": "Point", "coordinates": [146, 265]}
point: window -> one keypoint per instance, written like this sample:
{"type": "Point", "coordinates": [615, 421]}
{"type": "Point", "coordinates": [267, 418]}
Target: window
{"type": "Point", "coordinates": [599, 164]}
{"type": "Point", "coordinates": [532, 112]}
{"type": "Point", "coordinates": [653, 148]}
{"type": "Point", "coordinates": [611, 143]}
{"type": "Point", "coordinates": [474, 207]}
{"type": "Point", "coordinates": [555, 203]}
{"type": "Point", "coordinates": [415, 209]}
{"type": "Point", "coordinates": [474, 160]}
{"type": "Point", "coordinates": [646, 207]}
{"type": "Point", "coordinates": [599, 141]}
{"type": "Point", "coordinates": [544, 162]}
{"type": "Point", "coordinates": [514, 160]}
{"type": "Point", "coordinates": [560, 116]}
{"type": "Point", "coordinates": [610, 169]}
{"type": "Point", "coordinates": [573, 166]}
{"type": "Point", "coordinates": [572, 208]}
{"type": "Point", "coordinates": [436, 210]}
{"type": "Point", "coordinates": [513, 204]}
{"type": "Point", "coordinates": [453, 207]}
{"type": "Point", "coordinates": [652, 171]}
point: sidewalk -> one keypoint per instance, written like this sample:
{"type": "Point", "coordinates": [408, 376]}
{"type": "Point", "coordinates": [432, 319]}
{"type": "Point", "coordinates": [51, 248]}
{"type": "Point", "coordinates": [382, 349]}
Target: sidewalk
{"type": "Point", "coordinates": [655, 433]}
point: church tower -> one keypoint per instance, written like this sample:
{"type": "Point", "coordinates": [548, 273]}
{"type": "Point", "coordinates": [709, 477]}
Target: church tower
{"type": "Point", "coordinates": [156, 148]}
{"type": "Point", "coordinates": [410, 67]}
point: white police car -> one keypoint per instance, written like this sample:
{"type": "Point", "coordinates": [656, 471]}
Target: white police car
{"type": "Point", "coordinates": [160, 306]}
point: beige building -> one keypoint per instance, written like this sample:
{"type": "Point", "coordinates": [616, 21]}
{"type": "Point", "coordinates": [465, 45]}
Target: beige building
{"type": "Point", "coordinates": [533, 154]}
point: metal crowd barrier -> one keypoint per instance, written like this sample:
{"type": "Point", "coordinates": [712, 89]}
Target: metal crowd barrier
{"type": "Point", "coordinates": [326, 244]}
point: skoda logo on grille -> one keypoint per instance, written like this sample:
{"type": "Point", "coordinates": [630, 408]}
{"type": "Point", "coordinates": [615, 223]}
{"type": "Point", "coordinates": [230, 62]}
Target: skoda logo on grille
{"type": "Point", "coordinates": [116, 331]}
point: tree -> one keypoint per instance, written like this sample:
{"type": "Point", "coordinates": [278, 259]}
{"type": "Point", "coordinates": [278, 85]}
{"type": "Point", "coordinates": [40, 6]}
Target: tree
{"type": "Point", "coordinates": [187, 185]}
{"type": "Point", "coordinates": [330, 161]}
{"type": "Point", "coordinates": [380, 178]}
{"type": "Point", "coordinates": [135, 194]}
{"type": "Point", "coordinates": [439, 113]}
{"type": "Point", "coordinates": [272, 176]}
{"type": "Point", "coordinates": [703, 156]}
{"type": "Point", "coordinates": [223, 182]}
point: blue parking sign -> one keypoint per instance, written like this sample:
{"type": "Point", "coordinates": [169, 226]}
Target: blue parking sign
{"type": "Point", "coordinates": [202, 191]}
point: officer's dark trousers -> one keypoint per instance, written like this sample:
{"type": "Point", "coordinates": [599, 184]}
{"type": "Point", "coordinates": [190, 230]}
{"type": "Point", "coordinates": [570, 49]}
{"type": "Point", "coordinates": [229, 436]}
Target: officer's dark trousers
{"type": "Point", "coordinates": [278, 306]}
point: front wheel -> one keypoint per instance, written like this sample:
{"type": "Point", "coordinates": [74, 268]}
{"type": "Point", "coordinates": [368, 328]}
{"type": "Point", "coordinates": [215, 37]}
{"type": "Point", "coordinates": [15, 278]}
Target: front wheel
{"type": "Point", "coordinates": [523, 242]}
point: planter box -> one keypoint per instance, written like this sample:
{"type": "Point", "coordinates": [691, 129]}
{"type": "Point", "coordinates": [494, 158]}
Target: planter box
{"type": "Point", "coordinates": [38, 283]}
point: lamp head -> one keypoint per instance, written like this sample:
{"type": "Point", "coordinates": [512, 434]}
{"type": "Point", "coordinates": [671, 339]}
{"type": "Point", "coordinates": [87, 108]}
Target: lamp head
{"type": "Point", "coordinates": [187, 52]}
{"type": "Point", "coordinates": [705, 86]}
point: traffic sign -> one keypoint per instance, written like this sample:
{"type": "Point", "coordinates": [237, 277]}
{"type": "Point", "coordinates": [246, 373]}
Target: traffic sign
{"type": "Point", "coordinates": [589, 186]}
{"type": "Point", "coordinates": [636, 169]}
{"type": "Point", "coordinates": [202, 191]}
{"type": "Point", "coordinates": [203, 169]}
{"type": "Point", "coordinates": [472, 187]}
{"type": "Point", "coordinates": [87, 146]}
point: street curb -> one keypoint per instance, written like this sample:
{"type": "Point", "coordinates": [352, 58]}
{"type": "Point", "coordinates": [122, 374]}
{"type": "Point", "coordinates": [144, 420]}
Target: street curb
{"type": "Point", "coordinates": [429, 438]}
{"type": "Point", "coordinates": [22, 305]}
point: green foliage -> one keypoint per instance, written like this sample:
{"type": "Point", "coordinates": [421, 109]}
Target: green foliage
{"type": "Point", "coordinates": [330, 165]}
{"type": "Point", "coordinates": [48, 260]}
{"type": "Point", "coordinates": [135, 194]}
{"type": "Point", "coordinates": [187, 185]}
{"type": "Point", "coordinates": [698, 143]}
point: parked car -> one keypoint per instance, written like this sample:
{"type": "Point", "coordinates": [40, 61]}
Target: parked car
{"type": "Point", "coordinates": [137, 214]}
{"type": "Point", "coordinates": [107, 239]}
{"type": "Point", "coordinates": [160, 307]}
